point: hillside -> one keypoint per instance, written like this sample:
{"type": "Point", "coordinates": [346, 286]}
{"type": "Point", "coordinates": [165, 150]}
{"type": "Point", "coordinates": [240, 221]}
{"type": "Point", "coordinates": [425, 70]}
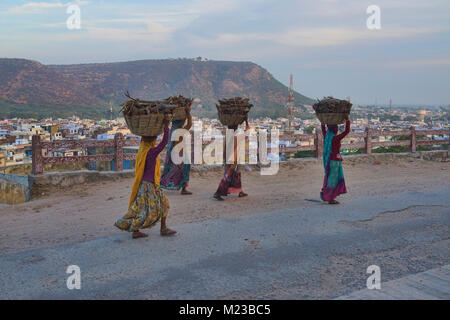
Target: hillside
{"type": "Point", "coordinates": [29, 87]}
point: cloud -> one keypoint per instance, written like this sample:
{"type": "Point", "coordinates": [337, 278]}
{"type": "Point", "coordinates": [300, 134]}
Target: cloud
{"type": "Point", "coordinates": [151, 32]}
{"type": "Point", "coordinates": [137, 33]}
{"type": "Point", "coordinates": [334, 8]}
{"type": "Point", "coordinates": [322, 37]}
{"type": "Point", "coordinates": [408, 4]}
{"type": "Point", "coordinates": [223, 6]}
{"type": "Point", "coordinates": [443, 62]}
{"type": "Point", "coordinates": [37, 7]}
{"type": "Point", "coordinates": [311, 37]}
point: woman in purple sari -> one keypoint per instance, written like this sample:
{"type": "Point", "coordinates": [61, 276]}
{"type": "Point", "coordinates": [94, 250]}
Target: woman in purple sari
{"type": "Point", "coordinates": [333, 183]}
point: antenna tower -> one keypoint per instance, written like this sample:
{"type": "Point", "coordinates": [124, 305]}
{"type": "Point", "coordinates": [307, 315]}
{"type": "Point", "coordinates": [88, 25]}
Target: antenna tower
{"type": "Point", "coordinates": [290, 103]}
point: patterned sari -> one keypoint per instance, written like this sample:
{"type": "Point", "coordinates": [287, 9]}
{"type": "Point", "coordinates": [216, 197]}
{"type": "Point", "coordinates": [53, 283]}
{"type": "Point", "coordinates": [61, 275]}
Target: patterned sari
{"type": "Point", "coordinates": [231, 181]}
{"type": "Point", "coordinates": [148, 203]}
{"type": "Point", "coordinates": [175, 176]}
{"type": "Point", "coordinates": [333, 183]}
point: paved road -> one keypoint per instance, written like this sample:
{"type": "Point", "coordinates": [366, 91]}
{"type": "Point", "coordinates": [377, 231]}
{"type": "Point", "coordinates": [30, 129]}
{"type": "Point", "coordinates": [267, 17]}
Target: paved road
{"type": "Point", "coordinates": [307, 253]}
{"type": "Point", "coordinates": [429, 285]}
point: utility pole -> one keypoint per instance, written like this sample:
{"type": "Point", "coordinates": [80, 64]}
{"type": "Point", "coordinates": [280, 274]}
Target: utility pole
{"type": "Point", "coordinates": [110, 111]}
{"type": "Point", "coordinates": [290, 103]}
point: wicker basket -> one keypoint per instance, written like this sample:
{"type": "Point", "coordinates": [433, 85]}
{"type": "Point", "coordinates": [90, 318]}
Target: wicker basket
{"type": "Point", "coordinates": [233, 112]}
{"type": "Point", "coordinates": [181, 104]}
{"type": "Point", "coordinates": [332, 111]}
{"type": "Point", "coordinates": [180, 113]}
{"type": "Point", "coordinates": [146, 124]}
{"type": "Point", "coordinates": [232, 119]}
{"type": "Point", "coordinates": [332, 118]}
{"type": "Point", "coordinates": [145, 118]}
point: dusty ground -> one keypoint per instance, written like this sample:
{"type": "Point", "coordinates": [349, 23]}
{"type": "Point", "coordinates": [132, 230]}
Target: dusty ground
{"type": "Point", "coordinates": [88, 212]}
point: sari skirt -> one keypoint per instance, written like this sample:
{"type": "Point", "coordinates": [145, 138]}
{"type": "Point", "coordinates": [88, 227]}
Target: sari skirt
{"type": "Point", "coordinates": [175, 176]}
{"type": "Point", "coordinates": [334, 183]}
{"type": "Point", "coordinates": [150, 205]}
{"type": "Point", "coordinates": [231, 181]}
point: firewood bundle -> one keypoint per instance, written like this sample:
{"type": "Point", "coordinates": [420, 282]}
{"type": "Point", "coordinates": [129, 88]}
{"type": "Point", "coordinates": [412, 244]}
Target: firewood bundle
{"type": "Point", "coordinates": [145, 118]}
{"type": "Point", "coordinates": [233, 112]}
{"type": "Point", "coordinates": [180, 103]}
{"type": "Point", "coordinates": [332, 111]}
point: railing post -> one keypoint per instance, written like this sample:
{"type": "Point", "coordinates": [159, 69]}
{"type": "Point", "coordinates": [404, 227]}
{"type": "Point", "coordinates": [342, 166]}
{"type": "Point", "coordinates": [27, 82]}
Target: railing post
{"type": "Point", "coordinates": [368, 140]}
{"type": "Point", "coordinates": [118, 151]}
{"type": "Point", "coordinates": [448, 145]}
{"type": "Point", "coordinates": [91, 151]}
{"type": "Point", "coordinates": [413, 140]}
{"type": "Point", "coordinates": [37, 166]}
{"type": "Point", "coordinates": [318, 142]}
{"type": "Point", "coordinates": [192, 149]}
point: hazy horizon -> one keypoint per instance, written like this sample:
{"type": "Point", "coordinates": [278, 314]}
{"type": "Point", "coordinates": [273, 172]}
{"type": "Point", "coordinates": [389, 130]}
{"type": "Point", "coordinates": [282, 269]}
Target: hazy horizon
{"type": "Point", "coordinates": [325, 44]}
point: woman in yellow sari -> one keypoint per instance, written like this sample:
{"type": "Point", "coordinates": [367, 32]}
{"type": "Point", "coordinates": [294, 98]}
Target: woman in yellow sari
{"type": "Point", "coordinates": [148, 204]}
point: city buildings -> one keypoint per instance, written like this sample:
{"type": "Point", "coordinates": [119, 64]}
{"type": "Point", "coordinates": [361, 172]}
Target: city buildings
{"type": "Point", "coordinates": [16, 134]}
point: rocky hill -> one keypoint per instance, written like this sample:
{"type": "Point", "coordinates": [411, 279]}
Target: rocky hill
{"type": "Point", "coordinates": [28, 88]}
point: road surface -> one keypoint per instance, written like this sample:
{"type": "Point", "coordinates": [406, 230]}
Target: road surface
{"type": "Point", "coordinates": [315, 252]}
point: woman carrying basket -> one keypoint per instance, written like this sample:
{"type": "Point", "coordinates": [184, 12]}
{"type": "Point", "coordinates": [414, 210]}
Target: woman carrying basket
{"type": "Point", "coordinates": [176, 176]}
{"type": "Point", "coordinates": [231, 180]}
{"type": "Point", "coordinates": [148, 204]}
{"type": "Point", "coordinates": [333, 183]}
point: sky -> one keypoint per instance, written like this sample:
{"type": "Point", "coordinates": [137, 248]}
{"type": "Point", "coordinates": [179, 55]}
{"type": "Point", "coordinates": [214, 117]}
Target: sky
{"type": "Point", "coordinates": [325, 44]}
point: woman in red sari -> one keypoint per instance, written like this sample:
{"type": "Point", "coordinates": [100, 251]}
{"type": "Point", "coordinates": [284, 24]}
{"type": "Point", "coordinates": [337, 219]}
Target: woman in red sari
{"type": "Point", "coordinates": [231, 180]}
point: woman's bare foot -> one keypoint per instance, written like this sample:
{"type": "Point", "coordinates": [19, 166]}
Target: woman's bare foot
{"type": "Point", "coordinates": [167, 232]}
{"type": "Point", "coordinates": [333, 202]}
{"type": "Point", "coordinates": [242, 194]}
{"type": "Point", "coordinates": [185, 191]}
{"type": "Point", "coordinates": [216, 196]}
{"type": "Point", "coordinates": [138, 234]}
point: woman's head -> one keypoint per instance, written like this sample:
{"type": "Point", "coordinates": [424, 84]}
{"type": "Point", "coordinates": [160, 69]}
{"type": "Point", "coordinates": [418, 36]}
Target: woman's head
{"type": "Point", "coordinates": [333, 128]}
{"type": "Point", "coordinates": [149, 138]}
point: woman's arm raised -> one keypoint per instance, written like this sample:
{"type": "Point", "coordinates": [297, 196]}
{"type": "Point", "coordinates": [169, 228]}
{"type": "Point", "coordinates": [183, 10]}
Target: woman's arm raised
{"type": "Point", "coordinates": [346, 131]}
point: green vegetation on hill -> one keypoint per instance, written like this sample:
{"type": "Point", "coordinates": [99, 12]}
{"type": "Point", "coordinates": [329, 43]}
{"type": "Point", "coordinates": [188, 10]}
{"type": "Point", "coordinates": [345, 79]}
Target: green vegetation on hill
{"type": "Point", "coordinates": [10, 110]}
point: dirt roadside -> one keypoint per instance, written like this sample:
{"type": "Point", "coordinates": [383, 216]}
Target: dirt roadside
{"type": "Point", "coordinates": [88, 212]}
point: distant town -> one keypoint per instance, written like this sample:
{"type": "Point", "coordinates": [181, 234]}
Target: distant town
{"type": "Point", "coordinates": [16, 134]}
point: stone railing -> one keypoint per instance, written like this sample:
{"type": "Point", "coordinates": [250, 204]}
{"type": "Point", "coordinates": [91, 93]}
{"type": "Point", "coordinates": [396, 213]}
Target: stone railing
{"type": "Point", "coordinates": [38, 160]}
{"type": "Point", "coordinates": [312, 142]}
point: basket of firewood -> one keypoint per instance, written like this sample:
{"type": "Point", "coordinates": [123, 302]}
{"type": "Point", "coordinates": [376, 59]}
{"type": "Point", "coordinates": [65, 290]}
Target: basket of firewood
{"type": "Point", "coordinates": [332, 111]}
{"type": "Point", "coordinates": [180, 103]}
{"type": "Point", "coordinates": [145, 118]}
{"type": "Point", "coordinates": [234, 111]}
